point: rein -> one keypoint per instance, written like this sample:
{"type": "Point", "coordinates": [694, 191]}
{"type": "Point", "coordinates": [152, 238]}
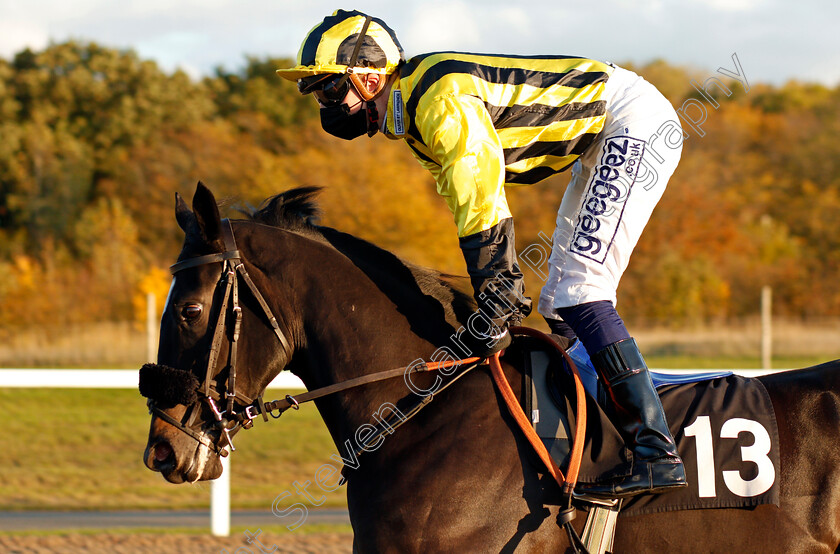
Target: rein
{"type": "Point", "coordinates": [228, 421]}
{"type": "Point", "coordinates": [567, 483]}
{"type": "Point", "coordinates": [295, 401]}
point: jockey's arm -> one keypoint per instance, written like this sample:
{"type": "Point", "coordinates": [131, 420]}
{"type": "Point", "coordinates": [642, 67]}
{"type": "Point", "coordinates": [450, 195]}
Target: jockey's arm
{"type": "Point", "coordinates": [460, 134]}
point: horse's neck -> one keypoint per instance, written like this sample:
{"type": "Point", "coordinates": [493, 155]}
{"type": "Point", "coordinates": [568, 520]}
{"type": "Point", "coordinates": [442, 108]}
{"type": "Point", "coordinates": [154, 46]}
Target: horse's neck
{"type": "Point", "coordinates": [352, 328]}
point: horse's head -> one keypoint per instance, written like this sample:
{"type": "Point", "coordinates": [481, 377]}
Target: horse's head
{"type": "Point", "coordinates": [207, 382]}
{"type": "Point", "coordinates": [335, 307]}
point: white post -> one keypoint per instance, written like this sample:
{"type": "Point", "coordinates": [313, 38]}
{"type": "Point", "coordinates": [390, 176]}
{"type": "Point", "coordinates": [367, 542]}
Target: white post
{"type": "Point", "coordinates": [220, 502]}
{"type": "Point", "coordinates": [766, 326]}
{"type": "Point", "coordinates": [151, 328]}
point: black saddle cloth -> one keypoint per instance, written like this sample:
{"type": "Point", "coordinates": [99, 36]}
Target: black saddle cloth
{"type": "Point", "coordinates": [725, 430]}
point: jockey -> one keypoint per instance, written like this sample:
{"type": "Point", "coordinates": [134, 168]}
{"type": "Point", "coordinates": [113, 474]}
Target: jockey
{"type": "Point", "coordinates": [479, 123]}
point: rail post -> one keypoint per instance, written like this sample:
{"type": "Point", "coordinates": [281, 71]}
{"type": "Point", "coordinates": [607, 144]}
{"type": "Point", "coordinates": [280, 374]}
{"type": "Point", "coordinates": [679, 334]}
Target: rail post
{"type": "Point", "coordinates": [220, 502]}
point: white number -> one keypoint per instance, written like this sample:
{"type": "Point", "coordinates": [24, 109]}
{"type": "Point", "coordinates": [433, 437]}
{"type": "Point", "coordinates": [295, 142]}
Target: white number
{"type": "Point", "coordinates": [756, 453]}
{"type": "Point", "coordinates": [702, 429]}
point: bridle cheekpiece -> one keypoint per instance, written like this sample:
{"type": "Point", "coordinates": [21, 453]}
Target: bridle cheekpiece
{"type": "Point", "coordinates": [165, 386]}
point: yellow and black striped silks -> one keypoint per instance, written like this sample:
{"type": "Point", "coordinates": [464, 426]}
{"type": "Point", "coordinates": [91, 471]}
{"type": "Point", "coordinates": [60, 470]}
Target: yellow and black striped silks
{"type": "Point", "coordinates": [478, 122]}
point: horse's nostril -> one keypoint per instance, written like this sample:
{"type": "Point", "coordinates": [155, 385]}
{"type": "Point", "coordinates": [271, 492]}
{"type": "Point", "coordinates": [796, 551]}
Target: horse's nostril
{"type": "Point", "coordinates": [163, 452]}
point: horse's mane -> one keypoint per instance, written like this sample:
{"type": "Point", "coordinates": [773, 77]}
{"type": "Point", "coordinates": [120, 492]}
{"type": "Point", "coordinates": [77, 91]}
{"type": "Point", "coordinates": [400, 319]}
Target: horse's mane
{"type": "Point", "coordinates": [296, 210]}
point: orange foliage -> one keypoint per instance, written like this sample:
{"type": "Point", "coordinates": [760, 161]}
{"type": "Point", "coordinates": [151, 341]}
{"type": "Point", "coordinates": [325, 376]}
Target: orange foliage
{"type": "Point", "coordinates": [96, 142]}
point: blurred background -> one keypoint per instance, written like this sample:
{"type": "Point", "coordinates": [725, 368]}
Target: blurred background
{"type": "Point", "coordinates": [107, 109]}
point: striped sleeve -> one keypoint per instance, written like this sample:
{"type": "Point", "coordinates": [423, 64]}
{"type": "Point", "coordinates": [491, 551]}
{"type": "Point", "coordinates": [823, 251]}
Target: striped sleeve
{"type": "Point", "coordinates": [460, 135]}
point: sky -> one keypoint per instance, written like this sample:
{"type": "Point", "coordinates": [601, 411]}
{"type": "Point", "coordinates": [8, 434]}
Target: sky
{"type": "Point", "coordinates": [775, 40]}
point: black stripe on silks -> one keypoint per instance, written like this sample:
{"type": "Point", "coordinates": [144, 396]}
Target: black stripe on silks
{"type": "Point", "coordinates": [310, 44]}
{"type": "Point", "coordinates": [532, 176]}
{"type": "Point", "coordinates": [420, 154]}
{"type": "Point", "coordinates": [499, 75]}
{"type": "Point", "coordinates": [412, 64]}
{"type": "Point", "coordinates": [510, 75]}
{"type": "Point", "coordinates": [415, 60]}
{"type": "Point", "coordinates": [414, 132]}
{"type": "Point", "coordinates": [575, 146]}
{"type": "Point", "coordinates": [538, 115]}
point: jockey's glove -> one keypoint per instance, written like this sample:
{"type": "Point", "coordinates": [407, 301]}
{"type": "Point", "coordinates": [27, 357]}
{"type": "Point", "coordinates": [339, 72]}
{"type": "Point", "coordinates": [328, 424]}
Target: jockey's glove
{"type": "Point", "coordinates": [486, 346]}
{"type": "Point", "coordinates": [498, 285]}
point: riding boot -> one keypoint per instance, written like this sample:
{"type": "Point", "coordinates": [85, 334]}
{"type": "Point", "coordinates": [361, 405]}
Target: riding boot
{"type": "Point", "coordinates": [640, 420]}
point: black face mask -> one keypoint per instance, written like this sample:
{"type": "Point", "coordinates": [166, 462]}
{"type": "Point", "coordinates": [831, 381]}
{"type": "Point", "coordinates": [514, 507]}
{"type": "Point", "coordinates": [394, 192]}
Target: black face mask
{"type": "Point", "coordinates": [337, 121]}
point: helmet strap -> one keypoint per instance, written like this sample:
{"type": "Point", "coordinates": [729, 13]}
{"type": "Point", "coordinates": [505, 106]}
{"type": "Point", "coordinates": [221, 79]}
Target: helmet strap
{"type": "Point", "coordinates": [355, 55]}
{"type": "Point", "coordinates": [372, 118]}
{"type": "Point", "coordinates": [361, 88]}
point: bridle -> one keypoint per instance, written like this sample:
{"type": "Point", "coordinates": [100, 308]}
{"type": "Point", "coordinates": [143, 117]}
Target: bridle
{"type": "Point", "coordinates": [227, 420]}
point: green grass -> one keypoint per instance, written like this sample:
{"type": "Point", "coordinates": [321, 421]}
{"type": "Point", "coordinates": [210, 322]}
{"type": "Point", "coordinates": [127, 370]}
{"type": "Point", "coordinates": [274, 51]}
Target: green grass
{"type": "Point", "coordinates": [82, 450]}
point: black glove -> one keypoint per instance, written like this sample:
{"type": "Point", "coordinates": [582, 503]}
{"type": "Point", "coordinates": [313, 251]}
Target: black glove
{"type": "Point", "coordinates": [494, 272]}
{"type": "Point", "coordinates": [486, 346]}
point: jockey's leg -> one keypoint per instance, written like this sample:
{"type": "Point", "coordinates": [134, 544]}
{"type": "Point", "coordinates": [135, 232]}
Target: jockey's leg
{"type": "Point", "coordinates": [561, 328]}
{"type": "Point", "coordinates": [640, 420]}
{"type": "Point", "coordinates": [614, 188]}
{"type": "Point", "coordinates": [635, 410]}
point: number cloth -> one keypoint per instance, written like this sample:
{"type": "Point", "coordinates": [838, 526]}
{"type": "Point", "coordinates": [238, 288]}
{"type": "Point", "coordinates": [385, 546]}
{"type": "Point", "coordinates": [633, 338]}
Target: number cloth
{"type": "Point", "coordinates": [727, 436]}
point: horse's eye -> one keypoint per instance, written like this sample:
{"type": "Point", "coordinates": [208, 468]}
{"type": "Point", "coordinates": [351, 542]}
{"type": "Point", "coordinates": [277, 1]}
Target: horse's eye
{"type": "Point", "coordinates": [191, 311]}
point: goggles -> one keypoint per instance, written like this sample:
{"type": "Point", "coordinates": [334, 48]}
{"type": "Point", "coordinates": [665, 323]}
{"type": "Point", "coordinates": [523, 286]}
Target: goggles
{"type": "Point", "coordinates": [334, 91]}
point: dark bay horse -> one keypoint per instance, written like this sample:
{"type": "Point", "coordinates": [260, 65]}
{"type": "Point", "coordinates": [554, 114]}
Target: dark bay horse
{"type": "Point", "coordinates": [458, 476]}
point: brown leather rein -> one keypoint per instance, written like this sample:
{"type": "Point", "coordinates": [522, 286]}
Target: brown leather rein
{"type": "Point", "coordinates": [566, 483]}
{"type": "Point", "coordinates": [229, 421]}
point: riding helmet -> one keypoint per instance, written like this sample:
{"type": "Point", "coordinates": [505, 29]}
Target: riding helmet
{"type": "Point", "coordinates": [330, 46]}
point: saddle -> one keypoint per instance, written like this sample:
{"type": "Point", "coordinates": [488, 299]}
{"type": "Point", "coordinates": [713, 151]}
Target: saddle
{"type": "Point", "coordinates": [724, 426]}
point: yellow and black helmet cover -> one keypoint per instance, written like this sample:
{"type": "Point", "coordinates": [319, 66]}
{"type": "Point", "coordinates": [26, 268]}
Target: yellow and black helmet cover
{"type": "Point", "coordinates": [328, 49]}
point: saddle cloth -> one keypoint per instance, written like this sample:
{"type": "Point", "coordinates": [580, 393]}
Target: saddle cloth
{"type": "Point", "coordinates": [724, 426]}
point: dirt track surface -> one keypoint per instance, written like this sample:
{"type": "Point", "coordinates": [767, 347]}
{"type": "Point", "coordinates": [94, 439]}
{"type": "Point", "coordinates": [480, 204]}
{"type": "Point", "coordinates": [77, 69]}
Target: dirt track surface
{"type": "Point", "coordinates": [326, 543]}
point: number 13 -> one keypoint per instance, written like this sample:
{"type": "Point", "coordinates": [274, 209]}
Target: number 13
{"type": "Point", "coordinates": [756, 453]}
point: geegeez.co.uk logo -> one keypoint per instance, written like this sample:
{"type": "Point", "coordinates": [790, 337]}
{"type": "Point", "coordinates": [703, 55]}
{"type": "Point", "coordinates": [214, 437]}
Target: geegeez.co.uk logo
{"type": "Point", "coordinates": [609, 189]}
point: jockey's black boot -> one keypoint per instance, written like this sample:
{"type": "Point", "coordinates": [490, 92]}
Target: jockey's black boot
{"type": "Point", "coordinates": [639, 418]}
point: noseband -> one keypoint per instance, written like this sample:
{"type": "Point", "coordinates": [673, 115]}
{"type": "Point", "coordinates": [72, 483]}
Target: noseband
{"type": "Point", "coordinates": [227, 420]}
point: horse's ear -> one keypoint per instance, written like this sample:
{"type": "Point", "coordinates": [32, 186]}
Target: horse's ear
{"type": "Point", "coordinates": [184, 215]}
{"type": "Point", "coordinates": [207, 213]}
